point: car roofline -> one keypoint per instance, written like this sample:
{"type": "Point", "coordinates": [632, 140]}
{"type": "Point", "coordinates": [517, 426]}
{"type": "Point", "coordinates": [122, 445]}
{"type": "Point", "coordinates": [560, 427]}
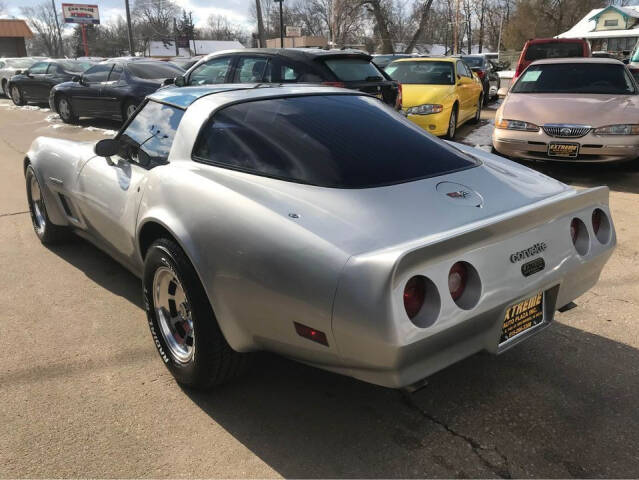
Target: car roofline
{"type": "Point", "coordinates": [197, 92]}
{"type": "Point", "coordinates": [291, 53]}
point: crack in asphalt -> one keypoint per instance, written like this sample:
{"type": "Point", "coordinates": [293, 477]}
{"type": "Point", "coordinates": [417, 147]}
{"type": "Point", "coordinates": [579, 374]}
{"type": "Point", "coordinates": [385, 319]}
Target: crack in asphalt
{"type": "Point", "coordinates": [501, 471]}
{"type": "Point", "coordinates": [12, 214]}
{"type": "Point", "coordinates": [605, 295]}
{"type": "Point", "coordinates": [12, 147]}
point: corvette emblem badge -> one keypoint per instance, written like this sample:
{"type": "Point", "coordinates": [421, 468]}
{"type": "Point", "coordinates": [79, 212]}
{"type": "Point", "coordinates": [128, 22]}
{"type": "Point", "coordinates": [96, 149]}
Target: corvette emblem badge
{"type": "Point", "coordinates": [460, 195]}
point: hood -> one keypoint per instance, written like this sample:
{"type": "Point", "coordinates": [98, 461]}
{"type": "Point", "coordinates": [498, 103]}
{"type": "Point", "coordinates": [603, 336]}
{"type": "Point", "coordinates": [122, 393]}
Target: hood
{"type": "Point", "coordinates": [590, 109]}
{"type": "Point", "coordinates": [363, 220]}
{"type": "Point", "coordinates": [413, 95]}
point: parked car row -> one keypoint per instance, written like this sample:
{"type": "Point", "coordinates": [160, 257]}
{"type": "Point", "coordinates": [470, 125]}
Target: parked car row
{"type": "Point", "coordinates": [111, 89]}
{"type": "Point", "coordinates": [441, 92]}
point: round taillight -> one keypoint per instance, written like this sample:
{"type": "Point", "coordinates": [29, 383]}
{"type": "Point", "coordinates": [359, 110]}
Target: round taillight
{"type": "Point", "coordinates": [596, 220]}
{"type": "Point", "coordinates": [575, 226]}
{"type": "Point", "coordinates": [601, 226]}
{"type": "Point", "coordinates": [414, 295]}
{"type": "Point", "coordinates": [457, 279]}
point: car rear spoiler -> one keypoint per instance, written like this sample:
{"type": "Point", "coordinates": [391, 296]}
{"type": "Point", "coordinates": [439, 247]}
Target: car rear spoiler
{"type": "Point", "coordinates": [489, 231]}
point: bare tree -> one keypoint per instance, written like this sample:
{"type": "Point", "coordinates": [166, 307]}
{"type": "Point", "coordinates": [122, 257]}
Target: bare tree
{"type": "Point", "coordinates": [220, 27]}
{"type": "Point", "coordinates": [42, 21]}
{"type": "Point", "coordinates": [423, 12]}
{"type": "Point", "coordinates": [154, 20]}
{"type": "Point", "coordinates": [380, 14]}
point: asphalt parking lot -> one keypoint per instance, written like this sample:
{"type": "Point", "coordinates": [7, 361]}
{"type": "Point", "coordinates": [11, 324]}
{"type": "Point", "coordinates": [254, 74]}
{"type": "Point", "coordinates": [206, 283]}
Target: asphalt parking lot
{"type": "Point", "coordinates": [83, 393]}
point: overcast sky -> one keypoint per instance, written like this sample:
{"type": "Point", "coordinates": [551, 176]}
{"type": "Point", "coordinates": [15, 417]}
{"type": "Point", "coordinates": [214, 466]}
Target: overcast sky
{"type": "Point", "coordinates": [235, 10]}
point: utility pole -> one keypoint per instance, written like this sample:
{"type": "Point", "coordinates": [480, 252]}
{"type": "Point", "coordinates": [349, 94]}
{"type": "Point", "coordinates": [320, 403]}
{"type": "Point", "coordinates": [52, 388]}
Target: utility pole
{"type": "Point", "coordinates": [128, 27]}
{"type": "Point", "coordinates": [260, 24]}
{"type": "Point", "coordinates": [501, 24]}
{"type": "Point", "coordinates": [281, 24]}
{"type": "Point", "coordinates": [192, 33]}
{"type": "Point", "coordinates": [59, 50]}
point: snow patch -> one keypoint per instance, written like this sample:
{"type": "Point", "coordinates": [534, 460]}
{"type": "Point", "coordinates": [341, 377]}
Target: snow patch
{"type": "Point", "coordinates": [481, 137]}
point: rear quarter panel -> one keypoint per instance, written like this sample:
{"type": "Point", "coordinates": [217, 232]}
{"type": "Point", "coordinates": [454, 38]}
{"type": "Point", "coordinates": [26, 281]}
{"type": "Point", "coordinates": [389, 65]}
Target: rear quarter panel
{"type": "Point", "coordinates": [261, 269]}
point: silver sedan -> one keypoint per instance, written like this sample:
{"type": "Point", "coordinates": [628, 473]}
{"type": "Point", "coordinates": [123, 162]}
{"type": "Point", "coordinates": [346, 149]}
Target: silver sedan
{"type": "Point", "coordinates": [319, 224]}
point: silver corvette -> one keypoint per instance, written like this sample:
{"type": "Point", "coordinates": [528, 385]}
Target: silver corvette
{"type": "Point", "coordinates": [317, 223]}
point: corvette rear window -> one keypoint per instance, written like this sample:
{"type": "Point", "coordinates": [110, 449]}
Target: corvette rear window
{"type": "Point", "coordinates": [342, 141]}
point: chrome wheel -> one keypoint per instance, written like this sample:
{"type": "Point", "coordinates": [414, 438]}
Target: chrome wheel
{"type": "Point", "coordinates": [37, 206]}
{"type": "Point", "coordinates": [64, 108]}
{"type": "Point", "coordinates": [452, 124]}
{"type": "Point", "coordinates": [130, 109]}
{"type": "Point", "coordinates": [173, 313]}
{"type": "Point", "coordinates": [15, 95]}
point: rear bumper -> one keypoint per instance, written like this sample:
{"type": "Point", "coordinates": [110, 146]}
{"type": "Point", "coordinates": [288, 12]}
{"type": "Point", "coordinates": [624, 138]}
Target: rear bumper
{"type": "Point", "coordinates": [380, 345]}
{"type": "Point", "coordinates": [592, 148]}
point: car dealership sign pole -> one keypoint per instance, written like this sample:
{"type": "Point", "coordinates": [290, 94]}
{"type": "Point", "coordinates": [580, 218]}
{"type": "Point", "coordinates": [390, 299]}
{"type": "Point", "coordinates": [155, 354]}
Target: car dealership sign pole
{"type": "Point", "coordinates": [82, 14]}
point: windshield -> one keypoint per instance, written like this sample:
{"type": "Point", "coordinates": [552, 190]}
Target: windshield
{"type": "Point", "coordinates": [20, 63]}
{"type": "Point", "coordinates": [353, 69]}
{"type": "Point", "coordinates": [473, 61]}
{"type": "Point", "coordinates": [75, 66]}
{"type": "Point", "coordinates": [603, 78]}
{"type": "Point", "coordinates": [539, 51]}
{"type": "Point", "coordinates": [422, 73]}
{"type": "Point", "coordinates": [340, 141]}
{"type": "Point", "coordinates": [154, 70]}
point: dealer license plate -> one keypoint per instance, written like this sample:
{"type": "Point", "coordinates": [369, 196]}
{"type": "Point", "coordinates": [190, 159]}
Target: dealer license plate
{"type": "Point", "coordinates": [522, 316]}
{"type": "Point", "coordinates": [570, 150]}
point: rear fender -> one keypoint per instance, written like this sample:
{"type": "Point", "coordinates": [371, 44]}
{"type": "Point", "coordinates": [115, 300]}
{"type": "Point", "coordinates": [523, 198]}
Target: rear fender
{"type": "Point", "coordinates": [235, 335]}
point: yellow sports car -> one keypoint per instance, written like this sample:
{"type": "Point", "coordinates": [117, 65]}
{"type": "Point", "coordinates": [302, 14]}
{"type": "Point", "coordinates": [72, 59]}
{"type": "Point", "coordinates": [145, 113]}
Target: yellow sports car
{"type": "Point", "coordinates": [438, 94]}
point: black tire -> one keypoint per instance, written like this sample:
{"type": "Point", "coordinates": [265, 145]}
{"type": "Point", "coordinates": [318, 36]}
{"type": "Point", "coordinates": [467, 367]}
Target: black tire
{"type": "Point", "coordinates": [452, 127]}
{"type": "Point", "coordinates": [16, 95]}
{"type": "Point", "coordinates": [480, 104]}
{"type": "Point", "coordinates": [213, 361]}
{"type": "Point", "coordinates": [65, 110]}
{"type": "Point", "coordinates": [47, 232]}
{"type": "Point", "coordinates": [126, 109]}
{"type": "Point", "coordinates": [4, 88]}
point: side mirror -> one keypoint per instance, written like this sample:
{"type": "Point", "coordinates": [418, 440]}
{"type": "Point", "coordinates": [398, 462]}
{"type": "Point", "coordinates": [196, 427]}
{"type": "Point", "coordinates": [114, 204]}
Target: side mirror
{"type": "Point", "coordinates": [626, 61]}
{"type": "Point", "coordinates": [27, 73]}
{"type": "Point", "coordinates": [76, 78]}
{"type": "Point", "coordinates": [107, 147]}
{"type": "Point", "coordinates": [179, 81]}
